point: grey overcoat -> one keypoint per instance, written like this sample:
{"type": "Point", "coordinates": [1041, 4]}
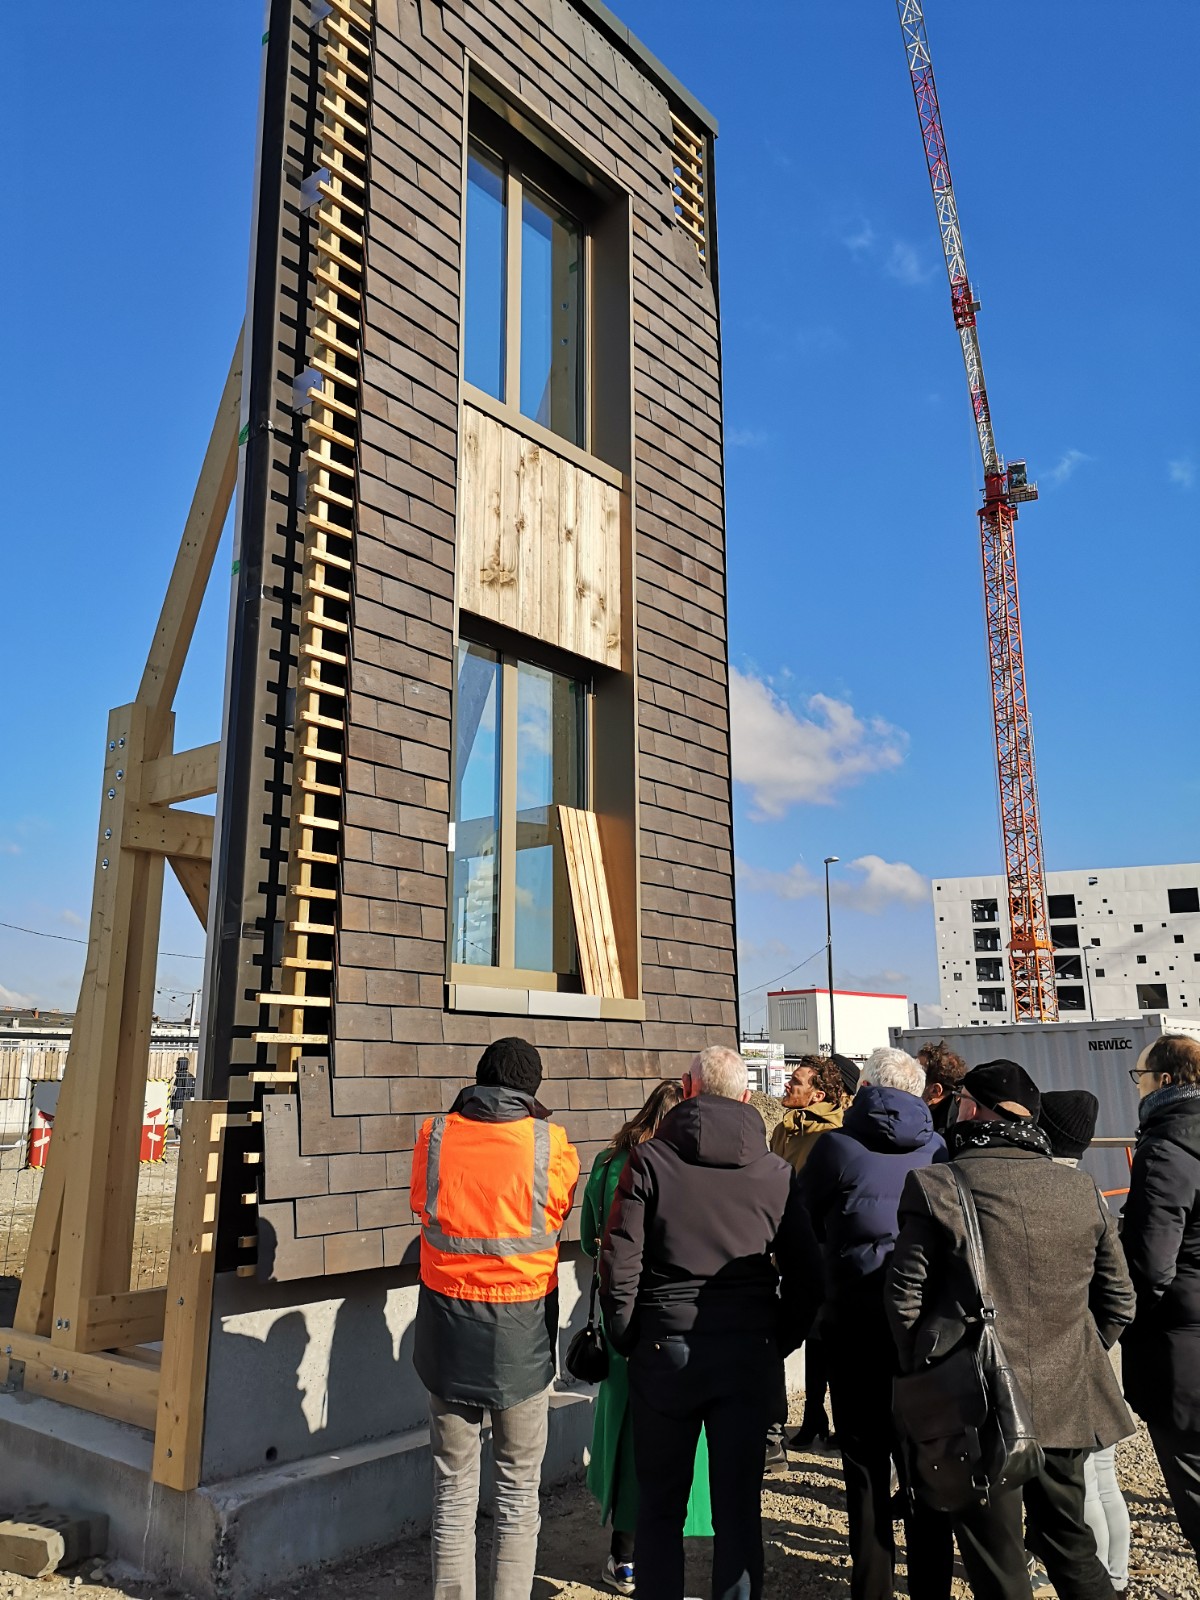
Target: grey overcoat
{"type": "Point", "coordinates": [1056, 1272]}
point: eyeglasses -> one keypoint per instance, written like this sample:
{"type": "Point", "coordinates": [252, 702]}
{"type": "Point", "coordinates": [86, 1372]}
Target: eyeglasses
{"type": "Point", "coordinates": [1140, 1072]}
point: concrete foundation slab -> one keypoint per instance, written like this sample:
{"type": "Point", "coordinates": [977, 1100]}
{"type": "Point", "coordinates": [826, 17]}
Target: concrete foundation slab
{"type": "Point", "coordinates": [234, 1538]}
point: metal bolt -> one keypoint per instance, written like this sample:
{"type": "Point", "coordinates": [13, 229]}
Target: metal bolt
{"type": "Point", "coordinates": [170, 1452]}
{"type": "Point", "coordinates": [112, 794]}
{"type": "Point", "coordinates": [66, 1377]}
{"type": "Point", "coordinates": [120, 772]}
{"type": "Point", "coordinates": [58, 1322]}
{"type": "Point", "coordinates": [104, 865]}
{"type": "Point", "coordinates": [54, 1374]}
{"type": "Point", "coordinates": [180, 1300]}
{"type": "Point", "coordinates": [108, 833]}
{"type": "Point", "coordinates": [121, 742]}
{"type": "Point", "coordinates": [112, 744]}
{"type": "Point", "coordinates": [66, 1322]}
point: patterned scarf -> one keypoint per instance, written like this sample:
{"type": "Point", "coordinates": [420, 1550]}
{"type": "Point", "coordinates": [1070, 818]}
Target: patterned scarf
{"type": "Point", "coordinates": [1170, 1094]}
{"type": "Point", "coordinates": [987, 1135]}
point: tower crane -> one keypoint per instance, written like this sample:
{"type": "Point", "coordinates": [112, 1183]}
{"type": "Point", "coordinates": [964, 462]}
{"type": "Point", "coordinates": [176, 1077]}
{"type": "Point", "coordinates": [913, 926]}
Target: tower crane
{"type": "Point", "coordinates": [1005, 487]}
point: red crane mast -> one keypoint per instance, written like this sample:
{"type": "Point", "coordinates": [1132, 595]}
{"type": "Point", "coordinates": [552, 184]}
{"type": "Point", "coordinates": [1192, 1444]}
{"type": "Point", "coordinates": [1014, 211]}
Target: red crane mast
{"type": "Point", "coordinates": [1031, 953]}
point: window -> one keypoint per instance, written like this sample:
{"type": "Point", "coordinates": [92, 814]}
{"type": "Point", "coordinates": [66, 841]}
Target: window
{"type": "Point", "coordinates": [985, 911]}
{"type": "Point", "coordinates": [525, 280]}
{"type": "Point", "coordinates": [986, 940]}
{"type": "Point", "coordinates": [958, 977]}
{"type": "Point", "coordinates": [793, 1015]}
{"type": "Point", "coordinates": [1152, 996]}
{"type": "Point", "coordinates": [1068, 967]}
{"type": "Point", "coordinates": [989, 971]}
{"type": "Point", "coordinates": [1141, 961]}
{"type": "Point", "coordinates": [1099, 973]}
{"type": "Point", "coordinates": [1095, 941]}
{"type": "Point", "coordinates": [1064, 936]}
{"type": "Point", "coordinates": [520, 735]}
{"type": "Point", "coordinates": [1178, 938]}
{"type": "Point", "coordinates": [1070, 997]}
{"type": "Point", "coordinates": [1179, 900]}
{"type": "Point", "coordinates": [1137, 927]}
{"type": "Point", "coordinates": [1061, 906]}
{"type": "Point", "coordinates": [991, 1000]}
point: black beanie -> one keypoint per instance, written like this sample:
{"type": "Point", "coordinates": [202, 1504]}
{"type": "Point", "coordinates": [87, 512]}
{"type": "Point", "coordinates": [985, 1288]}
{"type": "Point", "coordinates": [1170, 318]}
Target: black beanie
{"type": "Point", "coordinates": [994, 1081]}
{"type": "Point", "coordinates": [850, 1072]}
{"type": "Point", "coordinates": [1068, 1119]}
{"type": "Point", "coordinates": [510, 1064]}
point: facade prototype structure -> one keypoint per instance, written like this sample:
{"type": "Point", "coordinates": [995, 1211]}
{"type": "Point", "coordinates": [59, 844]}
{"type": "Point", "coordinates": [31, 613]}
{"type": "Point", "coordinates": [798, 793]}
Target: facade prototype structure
{"type": "Point", "coordinates": [798, 1019]}
{"type": "Point", "coordinates": [1126, 941]}
{"type": "Point", "coordinates": [473, 777]}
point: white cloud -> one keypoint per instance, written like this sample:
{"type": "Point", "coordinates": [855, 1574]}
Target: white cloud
{"type": "Point", "coordinates": [747, 438]}
{"type": "Point", "coordinates": [1064, 468]}
{"type": "Point", "coordinates": [1182, 471]}
{"type": "Point", "coordinates": [906, 265]}
{"type": "Point", "coordinates": [71, 918]}
{"type": "Point", "coordinates": [786, 759]}
{"type": "Point", "coordinates": [862, 238]}
{"type": "Point", "coordinates": [876, 883]}
{"type": "Point", "coordinates": [10, 997]}
{"type": "Point", "coordinates": [9, 847]}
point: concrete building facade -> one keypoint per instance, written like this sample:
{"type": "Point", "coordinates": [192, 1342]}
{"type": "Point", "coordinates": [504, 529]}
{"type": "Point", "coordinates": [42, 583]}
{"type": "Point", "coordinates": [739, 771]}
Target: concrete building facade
{"type": "Point", "coordinates": [799, 1019]}
{"type": "Point", "coordinates": [1126, 939]}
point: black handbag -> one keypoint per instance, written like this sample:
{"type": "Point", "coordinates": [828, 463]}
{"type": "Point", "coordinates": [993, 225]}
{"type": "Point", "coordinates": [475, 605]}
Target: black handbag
{"type": "Point", "coordinates": [964, 1424]}
{"type": "Point", "coordinates": [587, 1353]}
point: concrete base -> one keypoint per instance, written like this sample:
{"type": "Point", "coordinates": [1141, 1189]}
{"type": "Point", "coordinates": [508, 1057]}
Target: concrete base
{"type": "Point", "coordinates": [239, 1536]}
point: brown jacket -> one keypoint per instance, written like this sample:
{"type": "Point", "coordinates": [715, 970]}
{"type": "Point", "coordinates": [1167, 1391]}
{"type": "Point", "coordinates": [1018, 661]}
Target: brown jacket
{"type": "Point", "coordinates": [795, 1136]}
{"type": "Point", "coordinates": [1055, 1270]}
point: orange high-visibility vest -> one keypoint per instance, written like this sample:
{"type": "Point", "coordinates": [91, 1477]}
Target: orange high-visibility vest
{"type": "Point", "coordinates": [492, 1198]}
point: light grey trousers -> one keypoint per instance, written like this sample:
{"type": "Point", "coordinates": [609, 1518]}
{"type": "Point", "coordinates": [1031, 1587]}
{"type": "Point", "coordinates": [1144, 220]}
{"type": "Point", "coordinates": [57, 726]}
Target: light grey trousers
{"type": "Point", "coordinates": [518, 1447]}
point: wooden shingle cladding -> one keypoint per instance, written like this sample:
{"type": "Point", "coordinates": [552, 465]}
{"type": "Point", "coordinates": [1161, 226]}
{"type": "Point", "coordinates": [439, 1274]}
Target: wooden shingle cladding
{"type": "Point", "coordinates": [336, 1157]}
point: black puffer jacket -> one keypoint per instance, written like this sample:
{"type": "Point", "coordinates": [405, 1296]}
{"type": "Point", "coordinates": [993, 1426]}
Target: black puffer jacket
{"type": "Point", "coordinates": [699, 1212]}
{"type": "Point", "coordinates": [1160, 1229]}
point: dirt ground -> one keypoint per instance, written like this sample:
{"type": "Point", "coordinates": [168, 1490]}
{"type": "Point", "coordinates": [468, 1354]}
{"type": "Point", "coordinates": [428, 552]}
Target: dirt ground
{"type": "Point", "coordinates": [805, 1527]}
{"type": "Point", "coordinates": [19, 1189]}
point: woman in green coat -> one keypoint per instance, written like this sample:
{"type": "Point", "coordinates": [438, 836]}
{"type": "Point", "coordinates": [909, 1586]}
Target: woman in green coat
{"type": "Point", "coordinates": [611, 1476]}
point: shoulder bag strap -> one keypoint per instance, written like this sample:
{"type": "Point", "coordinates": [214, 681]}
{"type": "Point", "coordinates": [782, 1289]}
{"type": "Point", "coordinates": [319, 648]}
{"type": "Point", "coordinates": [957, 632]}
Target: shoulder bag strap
{"type": "Point", "coordinates": [974, 1241]}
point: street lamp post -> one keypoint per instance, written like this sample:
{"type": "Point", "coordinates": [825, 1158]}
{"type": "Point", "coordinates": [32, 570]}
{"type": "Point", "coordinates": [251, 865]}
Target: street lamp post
{"type": "Point", "coordinates": [829, 861]}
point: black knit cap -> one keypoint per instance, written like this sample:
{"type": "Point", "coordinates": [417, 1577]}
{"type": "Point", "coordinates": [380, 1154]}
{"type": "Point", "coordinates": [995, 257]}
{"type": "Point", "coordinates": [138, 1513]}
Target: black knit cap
{"type": "Point", "coordinates": [1068, 1119]}
{"type": "Point", "coordinates": [850, 1072]}
{"type": "Point", "coordinates": [510, 1064]}
{"type": "Point", "coordinates": [992, 1082]}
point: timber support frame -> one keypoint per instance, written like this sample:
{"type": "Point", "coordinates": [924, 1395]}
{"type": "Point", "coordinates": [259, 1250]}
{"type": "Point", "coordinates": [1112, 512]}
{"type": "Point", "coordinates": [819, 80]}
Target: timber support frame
{"type": "Point", "coordinates": [81, 1335]}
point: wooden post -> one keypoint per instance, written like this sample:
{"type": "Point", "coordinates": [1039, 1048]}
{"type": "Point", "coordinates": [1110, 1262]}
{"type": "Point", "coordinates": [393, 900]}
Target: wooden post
{"type": "Point", "coordinates": [183, 1381]}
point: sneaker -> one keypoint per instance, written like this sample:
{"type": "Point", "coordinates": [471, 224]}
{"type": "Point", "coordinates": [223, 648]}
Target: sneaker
{"type": "Point", "coordinates": [618, 1575]}
{"type": "Point", "coordinates": [809, 1433]}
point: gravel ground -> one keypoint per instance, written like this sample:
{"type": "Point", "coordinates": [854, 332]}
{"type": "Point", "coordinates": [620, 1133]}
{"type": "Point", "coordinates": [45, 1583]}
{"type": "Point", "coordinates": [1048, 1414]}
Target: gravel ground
{"type": "Point", "coordinates": [806, 1549]}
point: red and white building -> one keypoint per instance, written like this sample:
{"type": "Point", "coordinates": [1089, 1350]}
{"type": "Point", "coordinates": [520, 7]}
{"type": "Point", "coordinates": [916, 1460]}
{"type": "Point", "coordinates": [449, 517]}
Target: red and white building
{"type": "Point", "coordinates": [799, 1019]}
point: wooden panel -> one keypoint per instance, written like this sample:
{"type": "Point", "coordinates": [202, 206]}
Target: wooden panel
{"type": "Point", "coordinates": [186, 775]}
{"type": "Point", "coordinates": [111, 1321]}
{"type": "Point", "coordinates": [540, 548]}
{"type": "Point", "coordinates": [179, 1433]}
{"type": "Point", "coordinates": [110, 1385]}
{"type": "Point", "coordinates": [599, 965]}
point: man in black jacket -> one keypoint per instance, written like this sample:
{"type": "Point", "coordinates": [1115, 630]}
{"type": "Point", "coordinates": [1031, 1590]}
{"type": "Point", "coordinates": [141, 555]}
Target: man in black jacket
{"type": "Point", "coordinates": [1160, 1229]}
{"type": "Point", "coordinates": [1062, 1297]}
{"type": "Point", "coordinates": [690, 1295]}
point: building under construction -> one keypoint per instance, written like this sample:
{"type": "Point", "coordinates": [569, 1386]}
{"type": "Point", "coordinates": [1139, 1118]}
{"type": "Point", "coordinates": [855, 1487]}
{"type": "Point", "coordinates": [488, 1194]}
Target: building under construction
{"type": "Point", "coordinates": [472, 776]}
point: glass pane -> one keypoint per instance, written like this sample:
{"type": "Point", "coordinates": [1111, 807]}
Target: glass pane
{"type": "Point", "coordinates": [550, 724]}
{"type": "Point", "coordinates": [475, 913]}
{"type": "Point", "coordinates": [552, 318]}
{"type": "Point", "coordinates": [486, 248]}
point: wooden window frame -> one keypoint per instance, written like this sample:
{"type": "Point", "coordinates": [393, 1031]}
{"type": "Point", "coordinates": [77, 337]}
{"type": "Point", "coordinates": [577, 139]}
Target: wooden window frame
{"type": "Point", "coordinates": [522, 166]}
{"type": "Point", "coordinates": [506, 974]}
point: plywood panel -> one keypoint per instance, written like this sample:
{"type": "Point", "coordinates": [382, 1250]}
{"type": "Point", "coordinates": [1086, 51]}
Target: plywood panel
{"type": "Point", "coordinates": [540, 541]}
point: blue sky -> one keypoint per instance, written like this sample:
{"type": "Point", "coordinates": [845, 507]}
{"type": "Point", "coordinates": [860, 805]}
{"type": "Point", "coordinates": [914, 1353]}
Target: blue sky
{"type": "Point", "coordinates": [856, 623]}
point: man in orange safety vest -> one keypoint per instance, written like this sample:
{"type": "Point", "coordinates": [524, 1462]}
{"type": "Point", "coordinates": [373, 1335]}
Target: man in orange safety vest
{"type": "Point", "coordinates": [492, 1183]}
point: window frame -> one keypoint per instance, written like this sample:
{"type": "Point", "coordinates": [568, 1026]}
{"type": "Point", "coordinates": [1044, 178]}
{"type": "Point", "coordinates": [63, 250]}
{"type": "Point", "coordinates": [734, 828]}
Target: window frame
{"type": "Point", "coordinates": [523, 166]}
{"type": "Point", "coordinates": [512, 653]}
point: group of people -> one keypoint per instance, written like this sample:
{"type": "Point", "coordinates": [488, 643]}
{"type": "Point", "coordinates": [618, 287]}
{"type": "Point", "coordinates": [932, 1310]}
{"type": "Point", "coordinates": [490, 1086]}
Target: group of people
{"type": "Point", "coordinates": [717, 1257]}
